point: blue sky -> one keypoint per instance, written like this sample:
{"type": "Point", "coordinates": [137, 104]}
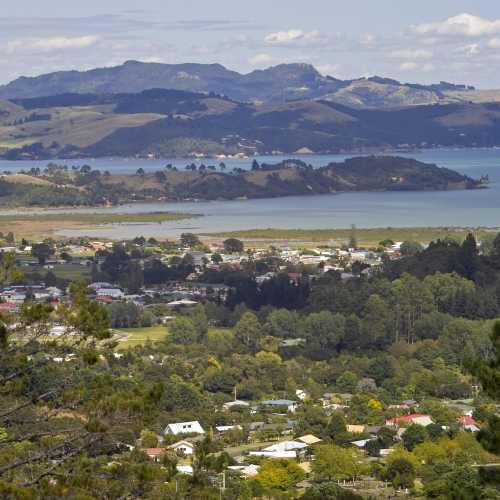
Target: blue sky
{"type": "Point", "coordinates": [424, 41]}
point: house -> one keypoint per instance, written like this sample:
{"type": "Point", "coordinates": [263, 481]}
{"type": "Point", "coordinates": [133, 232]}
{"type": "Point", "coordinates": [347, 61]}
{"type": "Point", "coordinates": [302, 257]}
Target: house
{"type": "Point", "coordinates": [361, 443]}
{"type": "Point", "coordinates": [281, 428]}
{"type": "Point", "coordinates": [355, 429]}
{"type": "Point", "coordinates": [293, 445]}
{"type": "Point", "coordinates": [309, 439]}
{"type": "Point", "coordinates": [290, 405]}
{"type": "Point", "coordinates": [406, 420]}
{"type": "Point", "coordinates": [246, 470]}
{"type": "Point", "coordinates": [183, 447]}
{"type": "Point", "coordinates": [274, 454]}
{"type": "Point", "coordinates": [284, 449]}
{"type": "Point", "coordinates": [184, 428]}
{"type": "Point", "coordinates": [469, 424]}
{"type": "Point", "coordinates": [185, 469]}
{"type": "Point", "coordinates": [154, 453]}
{"type": "Point", "coordinates": [10, 307]}
{"type": "Point", "coordinates": [226, 428]}
{"type": "Point", "coordinates": [301, 394]}
{"type": "Point", "coordinates": [114, 293]}
{"type": "Point", "coordinates": [237, 403]}
{"type": "Point", "coordinates": [198, 258]}
{"type": "Point", "coordinates": [182, 303]}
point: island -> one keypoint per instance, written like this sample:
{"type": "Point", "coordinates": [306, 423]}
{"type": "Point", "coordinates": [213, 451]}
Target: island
{"type": "Point", "coordinates": [60, 185]}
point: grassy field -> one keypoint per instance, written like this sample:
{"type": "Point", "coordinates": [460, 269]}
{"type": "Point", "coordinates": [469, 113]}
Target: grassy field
{"type": "Point", "coordinates": [46, 223]}
{"type": "Point", "coordinates": [95, 218]}
{"type": "Point", "coordinates": [70, 272]}
{"type": "Point", "coordinates": [138, 336]}
{"type": "Point", "coordinates": [365, 237]}
{"type": "Point", "coordinates": [132, 337]}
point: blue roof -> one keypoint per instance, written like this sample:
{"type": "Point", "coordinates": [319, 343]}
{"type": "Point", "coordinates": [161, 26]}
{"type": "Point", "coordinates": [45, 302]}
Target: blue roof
{"type": "Point", "coordinates": [279, 402]}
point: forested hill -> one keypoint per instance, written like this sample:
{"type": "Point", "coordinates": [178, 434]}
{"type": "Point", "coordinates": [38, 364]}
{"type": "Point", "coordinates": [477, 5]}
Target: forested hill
{"type": "Point", "coordinates": [176, 123]}
{"type": "Point", "coordinates": [57, 185]}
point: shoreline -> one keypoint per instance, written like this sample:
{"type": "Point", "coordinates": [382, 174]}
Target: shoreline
{"type": "Point", "coordinates": [375, 152]}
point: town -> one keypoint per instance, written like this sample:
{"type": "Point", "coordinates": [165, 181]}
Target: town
{"type": "Point", "coordinates": [264, 370]}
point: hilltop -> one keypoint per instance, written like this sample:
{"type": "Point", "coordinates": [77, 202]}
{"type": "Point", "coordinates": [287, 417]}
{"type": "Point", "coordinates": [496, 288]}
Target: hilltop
{"type": "Point", "coordinates": [277, 83]}
{"type": "Point", "coordinates": [59, 186]}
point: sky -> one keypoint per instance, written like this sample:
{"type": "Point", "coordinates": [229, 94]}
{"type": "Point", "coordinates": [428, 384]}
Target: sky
{"type": "Point", "coordinates": [422, 41]}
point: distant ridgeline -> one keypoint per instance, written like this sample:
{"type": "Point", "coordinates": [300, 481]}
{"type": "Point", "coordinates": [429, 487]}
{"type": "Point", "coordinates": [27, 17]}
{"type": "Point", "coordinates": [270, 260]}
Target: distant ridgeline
{"type": "Point", "coordinates": [177, 123]}
{"type": "Point", "coordinates": [60, 185]}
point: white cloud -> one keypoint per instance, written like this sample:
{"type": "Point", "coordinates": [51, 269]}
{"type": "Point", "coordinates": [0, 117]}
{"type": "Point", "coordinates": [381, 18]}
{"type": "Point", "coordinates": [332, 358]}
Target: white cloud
{"type": "Point", "coordinates": [328, 69]}
{"type": "Point", "coordinates": [51, 44]}
{"type": "Point", "coordinates": [494, 43]}
{"type": "Point", "coordinates": [261, 59]}
{"type": "Point", "coordinates": [292, 36]}
{"type": "Point", "coordinates": [463, 24]}
{"type": "Point", "coordinates": [472, 49]}
{"type": "Point", "coordinates": [414, 67]}
{"type": "Point", "coordinates": [412, 54]}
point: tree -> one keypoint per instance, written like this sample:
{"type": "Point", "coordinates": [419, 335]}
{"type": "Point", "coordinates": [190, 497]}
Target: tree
{"type": "Point", "coordinates": [133, 277]}
{"type": "Point", "coordinates": [37, 391]}
{"type": "Point", "coordinates": [347, 382]}
{"type": "Point", "coordinates": [410, 248]}
{"type": "Point", "coordinates": [199, 318]}
{"type": "Point", "coordinates": [279, 474]}
{"type": "Point", "coordinates": [400, 472]}
{"type": "Point", "coordinates": [468, 256]}
{"type": "Point", "coordinates": [282, 323]}
{"type": "Point", "coordinates": [248, 331]}
{"type": "Point", "coordinates": [233, 245]}
{"type": "Point", "coordinates": [329, 491]}
{"type": "Point", "coordinates": [149, 439]}
{"type": "Point", "coordinates": [414, 435]}
{"type": "Point", "coordinates": [488, 373]}
{"type": "Point", "coordinates": [189, 240]}
{"type": "Point", "coordinates": [216, 258]}
{"type": "Point", "coordinates": [336, 429]}
{"type": "Point", "coordinates": [183, 331]}
{"type": "Point", "coordinates": [335, 463]}
{"type": "Point", "coordinates": [376, 323]}
{"type": "Point", "coordinates": [324, 330]}
{"type": "Point", "coordinates": [353, 240]}
{"type": "Point", "coordinates": [42, 251]}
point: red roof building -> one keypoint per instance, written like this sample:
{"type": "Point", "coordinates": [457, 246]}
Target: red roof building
{"type": "Point", "coordinates": [414, 418]}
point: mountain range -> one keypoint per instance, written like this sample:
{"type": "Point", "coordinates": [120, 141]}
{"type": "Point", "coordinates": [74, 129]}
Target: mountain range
{"type": "Point", "coordinates": [107, 112]}
{"type": "Point", "coordinates": [279, 83]}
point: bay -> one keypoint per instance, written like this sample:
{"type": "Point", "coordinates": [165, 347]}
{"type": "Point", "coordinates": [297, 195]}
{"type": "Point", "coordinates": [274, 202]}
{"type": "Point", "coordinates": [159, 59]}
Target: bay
{"type": "Point", "coordinates": [382, 209]}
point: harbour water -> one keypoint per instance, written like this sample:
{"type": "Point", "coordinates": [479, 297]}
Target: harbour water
{"type": "Point", "coordinates": [382, 209]}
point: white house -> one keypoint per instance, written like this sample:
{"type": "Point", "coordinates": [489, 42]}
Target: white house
{"type": "Point", "coordinates": [246, 470]}
{"type": "Point", "coordinates": [237, 403]}
{"type": "Point", "coordinates": [114, 293]}
{"type": "Point", "coordinates": [184, 447]}
{"type": "Point", "coordinates": [185, 469]}
{"type": "Point", "coordinates": [184, 428]}
{"type": "Point", "coordinates": [225, 428]}
{"type": "Point", "coordinates": [286, 446]}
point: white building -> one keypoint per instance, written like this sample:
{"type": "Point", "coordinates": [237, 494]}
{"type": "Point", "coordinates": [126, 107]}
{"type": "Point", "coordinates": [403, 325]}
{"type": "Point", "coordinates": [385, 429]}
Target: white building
{"type": "Point", "coordinates": [184, 447]}
{"type": "Point", "coordinates": [184, 428]}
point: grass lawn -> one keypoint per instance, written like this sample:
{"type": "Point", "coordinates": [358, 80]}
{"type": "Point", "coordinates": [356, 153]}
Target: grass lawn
{"type": "Point", "coordinates": [138, 336]}
{"type": "Point", "coordinates": [72, 272]}
{"type": "Point", "coordinates": [365, 237]}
